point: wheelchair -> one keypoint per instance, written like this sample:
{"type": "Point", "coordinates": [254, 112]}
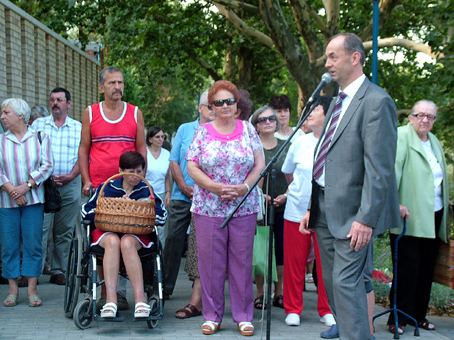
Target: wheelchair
{"type": "Point", "coordinates": [82, 278]}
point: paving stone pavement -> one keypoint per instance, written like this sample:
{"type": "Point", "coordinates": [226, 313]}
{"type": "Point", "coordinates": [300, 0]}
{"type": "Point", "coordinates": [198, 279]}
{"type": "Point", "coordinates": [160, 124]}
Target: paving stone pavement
{"type": "Point", "coordinates": [49, 321]}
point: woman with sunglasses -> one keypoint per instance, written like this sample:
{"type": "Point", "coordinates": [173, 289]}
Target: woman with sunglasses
{"type": "Point", "coordinates": [266, 122]}
{"type": "Point", "coordinates": [225, 159]}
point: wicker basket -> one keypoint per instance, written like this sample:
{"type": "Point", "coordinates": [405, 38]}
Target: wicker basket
{"type": "Point", "coordinates": [124, 215]}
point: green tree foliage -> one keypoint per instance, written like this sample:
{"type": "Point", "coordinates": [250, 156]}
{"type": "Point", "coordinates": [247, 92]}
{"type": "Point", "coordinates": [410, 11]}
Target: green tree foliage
{"type": "Point", "coordinates": [84, 19]}
{"type": "Point", "coordinates": [172, 50]}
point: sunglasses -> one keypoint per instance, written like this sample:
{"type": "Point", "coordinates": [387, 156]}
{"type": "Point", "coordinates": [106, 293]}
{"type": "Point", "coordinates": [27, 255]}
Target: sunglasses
{"type": "Point", "coordinates": [264, 119]}
{"type": "Point", "coordinates": [220, 102]}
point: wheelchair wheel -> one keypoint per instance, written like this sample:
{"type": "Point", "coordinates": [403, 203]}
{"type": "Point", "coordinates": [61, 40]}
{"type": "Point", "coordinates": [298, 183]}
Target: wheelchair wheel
{"type": "Point", "coordinates": [72, 286]}
{"type": "Point", "coordinates": [83, 314]}
{"type": "Point", "coordinates": [154, 306]}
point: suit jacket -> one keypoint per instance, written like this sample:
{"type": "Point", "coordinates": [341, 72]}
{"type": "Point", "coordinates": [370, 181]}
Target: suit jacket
{"type": "Point", "coordinates": [360, 182]}
{"type": "Point", "coordinates": [415, 184]}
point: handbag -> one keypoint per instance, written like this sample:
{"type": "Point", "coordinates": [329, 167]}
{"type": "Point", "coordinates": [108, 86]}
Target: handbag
{"type": "Point", "coordinates": [260, 257]}
{"type": "Point", "coordinates": [52, 197]}
{"type": "Point", "coordinates": [444, 267]}
{"type": "Point", "coordinates": [261, 213]}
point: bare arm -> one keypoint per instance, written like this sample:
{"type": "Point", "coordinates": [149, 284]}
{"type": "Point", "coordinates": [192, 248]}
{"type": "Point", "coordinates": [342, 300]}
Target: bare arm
{"type": "Point", "coordinates": [141, 145]}
{"type": "Point", "coordinates": [179, 180]}
{"type": "Point", "coordinates": [167, 187]}
{"type": "Point", "coordinates": [203, 181]}
{"type": "Point", "coordinates": [231, 192]}
{"type": "Point", "coordinates": [65, 179]}
{"type": "Point", "coordinates": [304, 224]}
{"type": "Point", "coordinates": [84, 153]}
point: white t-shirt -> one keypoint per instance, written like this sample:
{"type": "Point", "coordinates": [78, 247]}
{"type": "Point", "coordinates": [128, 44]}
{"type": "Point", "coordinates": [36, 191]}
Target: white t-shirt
{"type": "Point", "coordinates": [299, 161]}
{"type": "Point", "coordinates": [282, 137]}
{"type": "Point", "coordinates": [157, 170]}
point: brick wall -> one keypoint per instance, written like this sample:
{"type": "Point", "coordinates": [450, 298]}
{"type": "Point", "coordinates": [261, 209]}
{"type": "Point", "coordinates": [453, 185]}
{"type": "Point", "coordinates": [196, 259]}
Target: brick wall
{"type": "Point", "coordinates": [34, 60]}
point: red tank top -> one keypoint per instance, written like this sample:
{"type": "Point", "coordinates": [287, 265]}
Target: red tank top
{"type": "Point", "coordinates": [109, 140]}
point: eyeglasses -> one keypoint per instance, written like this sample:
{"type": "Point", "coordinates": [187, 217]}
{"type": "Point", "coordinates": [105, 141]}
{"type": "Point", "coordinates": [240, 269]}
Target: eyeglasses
{"type": "Point", "coordinates": [159, 136]}
{"type": "Point", "coordinates": [208, 106]}
{"type": "Point", "coordinates": [264, 119]}
{"type": "Point", "coordinates": [220, 102]}
{"type": "Point", "coordinates": [60, 100]}
{"type": "Point", "coordinates": [422, 116]}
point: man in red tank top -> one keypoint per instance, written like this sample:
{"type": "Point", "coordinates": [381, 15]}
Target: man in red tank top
{"type": "Point", "coordinates": [109, 129]}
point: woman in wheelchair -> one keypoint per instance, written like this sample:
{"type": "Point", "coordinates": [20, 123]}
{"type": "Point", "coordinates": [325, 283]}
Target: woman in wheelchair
{"type": "Point", "coordinates": [126, 245]}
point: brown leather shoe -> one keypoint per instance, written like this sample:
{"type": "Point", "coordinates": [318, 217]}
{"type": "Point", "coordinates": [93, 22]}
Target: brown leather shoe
{"type": "Point", "coordinates": [427, 325]}
{"type": "Point", "coordinates": [58, 279]}
{"type": "Point", "coordinates": [392, 329]}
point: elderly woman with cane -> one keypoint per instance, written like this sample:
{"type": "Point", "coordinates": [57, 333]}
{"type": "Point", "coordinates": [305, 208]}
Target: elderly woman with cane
{"type": "Point", "coordinates": [422, 181]}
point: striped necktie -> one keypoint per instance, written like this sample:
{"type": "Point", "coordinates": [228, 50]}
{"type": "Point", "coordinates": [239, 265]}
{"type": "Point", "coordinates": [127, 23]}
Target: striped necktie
{"type": "Point", "coordinates": [320, 161]}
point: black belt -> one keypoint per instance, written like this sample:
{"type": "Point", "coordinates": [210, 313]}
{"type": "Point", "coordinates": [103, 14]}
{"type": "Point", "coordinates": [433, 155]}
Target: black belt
{"type": "Point", "coordinates": [320, 187]}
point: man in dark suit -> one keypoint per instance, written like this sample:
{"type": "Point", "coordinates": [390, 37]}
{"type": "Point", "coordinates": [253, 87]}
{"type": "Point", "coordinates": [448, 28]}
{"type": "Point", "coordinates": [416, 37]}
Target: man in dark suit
{"type": "Point", "coordinates": [354, 193]}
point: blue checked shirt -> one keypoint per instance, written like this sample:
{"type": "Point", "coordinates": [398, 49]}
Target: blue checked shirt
{"type": "Point", "coordinates": [64, 142]}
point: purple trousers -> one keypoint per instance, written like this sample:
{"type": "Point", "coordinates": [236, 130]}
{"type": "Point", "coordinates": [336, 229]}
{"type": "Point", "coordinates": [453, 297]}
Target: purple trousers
{"type": "Point", "coordinates": [218, 247]}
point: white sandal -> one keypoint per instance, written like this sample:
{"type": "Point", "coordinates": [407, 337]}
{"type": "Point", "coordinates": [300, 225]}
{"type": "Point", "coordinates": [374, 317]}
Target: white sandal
{"type": "Point", "coordinates": [214, 327]}
{"type": "Point", "coordinates": [142, 310]}
{"type": "Point", "coordinates": [242, 328]}
{"type": "Point", "coordinates": [109, 310]}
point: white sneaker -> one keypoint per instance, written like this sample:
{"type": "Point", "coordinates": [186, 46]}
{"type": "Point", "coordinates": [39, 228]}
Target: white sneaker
{"type": "Point", "coordinates": [292, 319]}
{"type": "Point", "coordinates": [328, 319]}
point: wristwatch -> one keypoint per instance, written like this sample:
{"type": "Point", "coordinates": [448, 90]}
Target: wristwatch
{"type": "Point", "coordinates": [29, 185]}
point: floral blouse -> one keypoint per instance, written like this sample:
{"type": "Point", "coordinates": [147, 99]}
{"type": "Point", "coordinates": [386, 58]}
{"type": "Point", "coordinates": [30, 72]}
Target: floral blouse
{"type": "Point", "coordinates": [225, 159]}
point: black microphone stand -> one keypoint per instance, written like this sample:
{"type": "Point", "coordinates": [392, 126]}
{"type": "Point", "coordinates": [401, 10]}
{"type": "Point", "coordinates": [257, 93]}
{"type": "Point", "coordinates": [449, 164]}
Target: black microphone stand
{"type": "Point", "coordinates": [263, 174]}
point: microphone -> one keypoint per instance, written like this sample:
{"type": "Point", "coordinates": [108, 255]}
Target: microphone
{"type": "Point", "coordinates": [326, 78]}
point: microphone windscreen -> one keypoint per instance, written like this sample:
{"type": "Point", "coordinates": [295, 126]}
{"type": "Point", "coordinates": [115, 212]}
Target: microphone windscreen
{"type": "Point", "coordinates": [326, 77]}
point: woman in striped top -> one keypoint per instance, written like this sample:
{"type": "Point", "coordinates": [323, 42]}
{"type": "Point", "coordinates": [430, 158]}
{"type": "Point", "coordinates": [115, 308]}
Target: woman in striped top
{"type": "Point", "coordinates": [24, 164]}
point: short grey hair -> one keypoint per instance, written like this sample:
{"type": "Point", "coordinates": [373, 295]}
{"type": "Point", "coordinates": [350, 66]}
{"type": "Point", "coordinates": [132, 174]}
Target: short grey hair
{"type": "Point", "coordinates": [204, 98]}
{"type": "Point", "coordinates": [352, 44]}
{"type": "Point", "coordinates": [423, 101]}
{"type": "Point", "coordinates": [38, 111]}
{"type": "Point", "coordinates": [259, 111]}
{"type": "Point", "coordinates": [108, 69]}
{"type": "Point", "coordinates": [19, 107]}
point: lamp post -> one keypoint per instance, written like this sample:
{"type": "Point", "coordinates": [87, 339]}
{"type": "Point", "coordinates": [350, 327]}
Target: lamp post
{"type": "Point", "coordinates": [375, 24]}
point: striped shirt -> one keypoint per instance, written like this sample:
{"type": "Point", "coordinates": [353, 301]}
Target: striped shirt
{"type": "Point", "coordinates": [64, 140]}
{"type": "Point", "coordinates": [21, 160]}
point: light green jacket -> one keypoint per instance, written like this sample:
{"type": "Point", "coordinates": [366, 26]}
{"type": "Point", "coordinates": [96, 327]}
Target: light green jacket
{"type": "Point", "coordinates": [415, 184]}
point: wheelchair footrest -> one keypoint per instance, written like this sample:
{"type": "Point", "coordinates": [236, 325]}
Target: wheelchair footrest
{"type": "Point", "coordinates": [150, 318]}
{"type": "Point", "coordinates": [115, 319]}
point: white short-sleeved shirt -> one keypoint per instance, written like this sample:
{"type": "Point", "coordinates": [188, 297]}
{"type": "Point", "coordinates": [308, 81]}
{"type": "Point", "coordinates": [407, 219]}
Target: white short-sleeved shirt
{"type": "Point", "coordinates": [299, 162]}
{"type": "Point", "coordinates": [298, 134]}
{"type": "Point", "coordinates": [157, 170]}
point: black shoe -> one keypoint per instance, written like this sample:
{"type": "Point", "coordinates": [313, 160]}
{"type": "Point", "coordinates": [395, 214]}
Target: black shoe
{"type": "Point", "coordinates": [332, 333]}
{"type": "Point", "coordinates": [58, 279]}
